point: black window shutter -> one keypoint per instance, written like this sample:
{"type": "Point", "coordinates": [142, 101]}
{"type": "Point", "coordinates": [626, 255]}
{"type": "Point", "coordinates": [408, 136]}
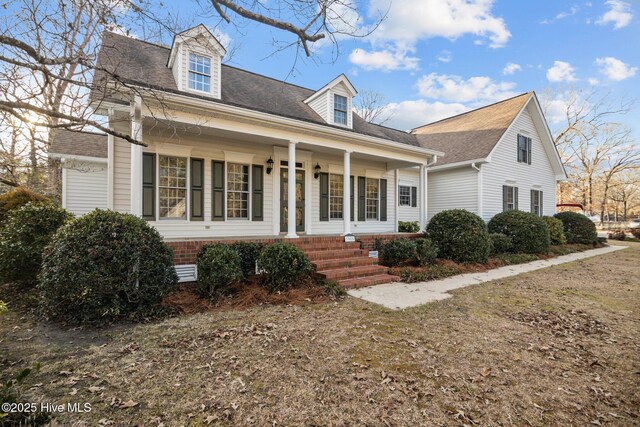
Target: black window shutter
{"type": "Point", "coordinates": [217, 196]}
{"type": "Point", "coordinates": [515, 198]}
{"type": "Point", "coordinates": [257, 193]}
{"type": "Point", "coordinates": [540, 203]}
{"type": "Point", "coordinates": [324, 196]}
{"type": "Point", "coordinates": [353, 213]}
{"type": "Point", "coordinates": [197, 190]}
{"type": "Point", "coordinates": [361, 198]}
{"type": "Point", "coordinates": [533, 205]}
{"type": "Point", "coordinates": [504, 198]}
{"type": "Point", "coordinates": [414, 197]}
{"type": "Point", "coordinates": [383, 200]}
{"type": "Point", "coordinates": [149, 186]}
{"type": "Point", "coordinates": [529, 150]}
{"type": "Point", "coordinates": [519, 148]}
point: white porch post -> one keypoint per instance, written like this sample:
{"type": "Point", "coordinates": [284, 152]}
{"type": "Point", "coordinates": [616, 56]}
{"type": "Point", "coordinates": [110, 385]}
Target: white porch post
{"type": "Point", "coordinates": [136, 157]}
{"type": "Point", "coordinates": [291, 197]}
{"type": "Point", "coordinates": [422, 197]}
{"type": "Point", "coordinates": [346, 193]}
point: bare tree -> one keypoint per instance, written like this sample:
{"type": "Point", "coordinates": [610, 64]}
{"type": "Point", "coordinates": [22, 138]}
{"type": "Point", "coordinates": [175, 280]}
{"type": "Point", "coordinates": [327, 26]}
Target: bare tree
{"type": "Point", "coordinates": [372, 107]}
{"type": "Point", "coordinates": [625, 192]}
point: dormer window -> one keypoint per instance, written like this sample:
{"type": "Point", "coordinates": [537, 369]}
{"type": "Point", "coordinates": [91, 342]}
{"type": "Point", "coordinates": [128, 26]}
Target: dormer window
{"type": "Point", "coordinates": [340, 109]}
{"type": "Point", "coordinates": [199, 73]}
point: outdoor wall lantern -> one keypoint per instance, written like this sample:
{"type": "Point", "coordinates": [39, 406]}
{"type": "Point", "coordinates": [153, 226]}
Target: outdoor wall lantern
{"type": "Point", "coordinates": [316, 175]}
{"type": "Point", "coordinates": [269, 165]}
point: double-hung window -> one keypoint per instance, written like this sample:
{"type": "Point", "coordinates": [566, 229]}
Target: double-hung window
{"type": "Point", "coordinates": [237, 190]}
{"type": "Point", "coordinates": [404, 195]}
{"type": "Point", "coordinates": [339, 109]}
{"type": "Point", "coordinates": [509, 198]}
{"type": "Point", "coordinates": [336, 193]}
{"type": "Point", "coordinates": [524, 149]}
{"type": "Point", "coordinates": [536, 202]}
{"type": "Point", "coordinates": [199, 73]}
{"type": "Point", "coordinates": [372, 198]}
{"type": "Point", "coordinates": [173, 187]}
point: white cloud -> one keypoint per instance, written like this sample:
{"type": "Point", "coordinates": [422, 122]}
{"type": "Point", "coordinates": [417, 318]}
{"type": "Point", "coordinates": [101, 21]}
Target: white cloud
{"type": "Point", "coordinates": [411, 20]}
{"type": "Point", "coordinates": [407, 115]}
{"type": "Point", "coordinates": [593, 81]}
{"type": "Point", "coordinates": [386, 60]}
{"type": "Point", "coordinates": [511, 68]}
{"type": "Point", "coordinates": [224, 38]}
{"type": "Point", "coordinates": [555, 110]}
{"type": "Point", "coordinates": [619, 14]}
{"type": "Point", "coordinates": [445, 56]}
{"type": "Point", "coordinates": [615, 69]}
{"type": "Point", "coordinates": [454, 88]}
{"type": "Point", "coordinates": [561, 72]}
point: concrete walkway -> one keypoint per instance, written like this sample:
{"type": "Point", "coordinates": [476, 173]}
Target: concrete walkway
{"type": "Point", "coordinates": [398, 296]}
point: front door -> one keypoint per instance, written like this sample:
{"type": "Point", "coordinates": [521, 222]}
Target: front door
{"type": "Point", "coordinates": [284, 204]}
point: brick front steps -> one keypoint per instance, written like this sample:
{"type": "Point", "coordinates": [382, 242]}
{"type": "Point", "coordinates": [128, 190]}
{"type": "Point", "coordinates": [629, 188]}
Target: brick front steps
{"type": "Point", "coordinates": [345, 263]}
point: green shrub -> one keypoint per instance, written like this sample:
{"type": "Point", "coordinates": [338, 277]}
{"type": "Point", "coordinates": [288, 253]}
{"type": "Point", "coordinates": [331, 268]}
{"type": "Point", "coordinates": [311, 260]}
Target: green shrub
{"type": "Point", "coordinates": [398, 252]}
{"type": "Point", "coordinates": [577, 228]}
{"type": "Point", "coordinates": [284, 266]}
{"type": "Point", "coordinates": [16, 198]}
{"type": "Point", "coordinates": [249, 253]}
{"type": "Point", "coordinates": [528, 232]}
{"type": "Point", "coordinates": [26, 232]}
{"type": "Point", "coordinates": [3, 307]}
{"type": "Point", "coordinates": [518, 258]}
{"type": "Point", "coordinates": [460, 235]}
{"type": "Point", "coordinates": [500, 243]}
{"type": "Point", "coordinates": [104, 266]}
{"type": "Point", "coordinates": [426, 251]}
{"type": "Point", "coordinates": [556, 231]}
{"type": "Point", "coordinates": [219, 269]}
{"type": "Point", "coordinates": [408, 226]}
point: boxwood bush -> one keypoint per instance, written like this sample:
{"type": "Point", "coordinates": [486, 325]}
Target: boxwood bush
{"type": "Point", "coordinates": [528, 232]}
{"type": "Point", "coordinates": [556, 232]}
{"type": "Point", "coordinates": [398, 252]}
{"type": "Point", "coordinates": [16, 198]}
{"type": "Point", "coordinates": [460, 235]}
{"type": "Point", "coordinates": [408, 226]}
{"type": "Point", "coordinates": [500, 243]}
{"type": "Point", "coordinates": [426, 251]}
{"type": "Point", "coordinates": [284, 265]}
{"type": "Point", "coordinates": [27, 231]}
{"type": "Point", "coordinates": [249, 253]}
{"type": "Point", "coordinates": [104, 266]}
{"type": "Point", "coordinates": [219, 269]}
{"type": "Point", "coordinates": [577, 228]}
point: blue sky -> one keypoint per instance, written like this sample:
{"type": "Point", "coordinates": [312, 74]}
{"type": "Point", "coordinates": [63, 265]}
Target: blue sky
{"type": "Point", "coordinates": [435, 58]}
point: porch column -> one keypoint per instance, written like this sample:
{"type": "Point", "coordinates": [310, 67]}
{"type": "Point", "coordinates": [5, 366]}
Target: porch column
{"type": "Point", "coordinates": [346, 193]}
{"type": "Point", "coordinates": [422, 197]}
{"type": "Point", "coordinates": [291, 195]}
{"type": "Point", "coordinates": [136, 157]}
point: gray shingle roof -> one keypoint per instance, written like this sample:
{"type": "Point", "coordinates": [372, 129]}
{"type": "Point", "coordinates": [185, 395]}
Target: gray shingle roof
{"type": "Point", "coordinates": [137, 62]}
{"type": "Point", "coordinates": [471, 135]}
{"type": "Point", "coordinates": [86, 144]}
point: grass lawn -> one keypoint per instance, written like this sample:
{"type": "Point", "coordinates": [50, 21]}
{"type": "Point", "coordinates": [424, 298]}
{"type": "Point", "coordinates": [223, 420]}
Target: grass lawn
{"type": "Point", "coordinates": [559, 346]}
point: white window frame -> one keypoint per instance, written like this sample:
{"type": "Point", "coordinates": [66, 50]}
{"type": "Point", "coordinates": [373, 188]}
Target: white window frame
{"type": "Point", "coordinates": [227, 191]}
{"type": "Point", "coordinates": [186, 188]}
{"type": "Point", "coordinates": [367, 198]}
{"type": "Point", "coordinates": [400, 196]}
{"type": "Point", "coordinates": [189, 71]}
{"type": "Point", "coordinates": [513, 198]}
{"type": "Point", "coordinates": [526, 159]}
{"type": "Point", "coordinates": [336, 110]}
{"type": "Point", "coordinates": [340, 178]}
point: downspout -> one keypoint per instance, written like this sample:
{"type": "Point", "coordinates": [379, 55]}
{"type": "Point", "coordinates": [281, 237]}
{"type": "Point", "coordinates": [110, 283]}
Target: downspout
{"type": "Point", "coordinates": [480, 202]}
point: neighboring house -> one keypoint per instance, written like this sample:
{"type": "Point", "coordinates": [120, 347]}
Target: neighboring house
{"type": "Point", "coordinates": [497, 157]}
{"type": "Point", "coordinates": [220, 142]}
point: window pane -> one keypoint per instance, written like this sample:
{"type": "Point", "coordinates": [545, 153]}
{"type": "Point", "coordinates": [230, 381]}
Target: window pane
{"type": "Point", "coordinates": [371, 192]}
{"type": "Point", "coordinates": [199, 72]}
{"type": "Point", "coordinates": [173, 187]}
{"type": "Point", "coordinates": [237, 190]}
{"type": "Point", "coordinates": [340, 109]}
{"type": "Point", "coordinates": [336, 193]}
{"type": "Point", "coordinates": [404, 195]}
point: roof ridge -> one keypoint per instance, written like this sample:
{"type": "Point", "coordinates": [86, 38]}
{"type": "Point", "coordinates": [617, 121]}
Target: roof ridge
{"type": "Point", "coordinates": [472, 111]}
{"type": "Point", "coordinates": [137, 39]}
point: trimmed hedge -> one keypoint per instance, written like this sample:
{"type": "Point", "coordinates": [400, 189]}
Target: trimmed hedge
{"type": "Point", "coordinates": [398, 252]}
{"type": "Point", "coordinates": [556, 231]}
{"type": "Point", "coordinates": [460, 235]}
{"type": "Point", "coordinates": [528, 232]}
{"type": "Point", "coordinates": [249, 253]}
{"type": "Point", "coordinates": [284, 266]}
{"type": "Point", "coordinates": [426, 251]}
{"type": "Point", "coordinates": [408, 226]}
{"type": "Point", "coordinates": [578, 228]}
{"type": "Point", "coordinates": [500, 243]}
{"type": "Point", "coordinates": [26, 232]}
{"type": "Point", "coordinates": [219, 269]}
{"type": "Point", "coordinates": [104, 266]}
{"type": "Point", "coordinates": [16, 198]}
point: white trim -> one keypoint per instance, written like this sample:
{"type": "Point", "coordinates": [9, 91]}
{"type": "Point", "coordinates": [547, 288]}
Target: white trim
{"type": "Point", "coordinates": [64, 188]}
{"type": "Point", "coordinates": [480, 189]}
{"type": "Point", "coordinates": [110, 170]}
{"type": "Point", "coordinates": [458, 164]}
{"type": "Point", "coordinates": [336, 169]}
{"type": "Point", "coordinates": [192, 33]}
{"type": "Point", "coordinates": [396, 179]}
{"type": "Point", "coordinates": [177, 150]}
{"type": "Point", "coordinates": [79, 158]}
{"type": "Point", "coordinates": [340, 79]}
{"type": "Point", "coordinates": [136, 157]}
{"type": "Point", "coordinates": [238, 157]}
{"type": "Point", "coordinates": [373, 173]}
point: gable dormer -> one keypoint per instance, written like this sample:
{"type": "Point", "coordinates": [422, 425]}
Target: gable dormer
{"type": "Point", "coordinates": [334, 102]}
{"type": "Point", "coordinates": [195, 60]}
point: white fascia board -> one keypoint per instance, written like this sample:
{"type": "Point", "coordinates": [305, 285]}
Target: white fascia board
{"type": "Point", "coordinates": [458, 164]}
{"type": "Point", "coordinates": [340, 79]}
{"type": "Point", "coordinates": [78, 158]}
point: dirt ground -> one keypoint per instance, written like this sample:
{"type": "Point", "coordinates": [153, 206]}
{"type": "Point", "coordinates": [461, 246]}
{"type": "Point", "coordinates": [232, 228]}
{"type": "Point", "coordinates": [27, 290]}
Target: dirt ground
{"type": "Point", "coordinates": [559, 346]}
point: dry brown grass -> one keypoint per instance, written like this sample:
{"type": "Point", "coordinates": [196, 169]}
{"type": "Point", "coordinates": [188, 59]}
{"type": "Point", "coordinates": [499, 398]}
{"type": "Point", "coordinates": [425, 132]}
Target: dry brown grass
{"type": "Point", "coordinates": [559, 346]}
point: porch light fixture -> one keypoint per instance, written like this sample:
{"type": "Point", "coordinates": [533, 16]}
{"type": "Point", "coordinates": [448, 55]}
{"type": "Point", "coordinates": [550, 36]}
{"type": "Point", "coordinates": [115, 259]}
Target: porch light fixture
{"type": "Point", "coordinates": [317, 168]}
{"type": "Point", "coordinates": [269, 165]}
